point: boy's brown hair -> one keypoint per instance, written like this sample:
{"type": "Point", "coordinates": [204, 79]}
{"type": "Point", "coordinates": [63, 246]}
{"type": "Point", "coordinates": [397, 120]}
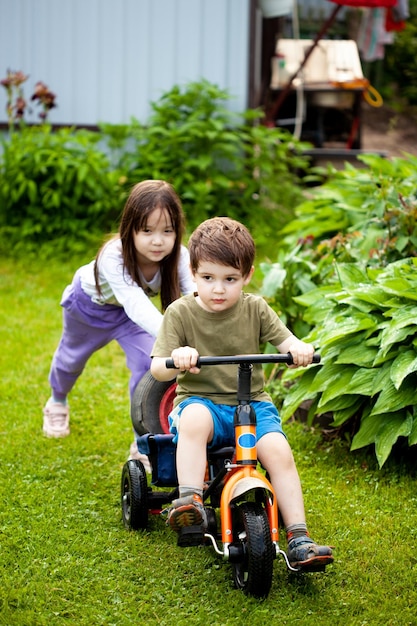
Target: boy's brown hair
{"type": "Point", "coordinates": [222, 240]}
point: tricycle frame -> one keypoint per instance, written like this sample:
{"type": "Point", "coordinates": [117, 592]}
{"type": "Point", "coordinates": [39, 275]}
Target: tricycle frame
{"type": "Point", "coordinates": [245, 496]}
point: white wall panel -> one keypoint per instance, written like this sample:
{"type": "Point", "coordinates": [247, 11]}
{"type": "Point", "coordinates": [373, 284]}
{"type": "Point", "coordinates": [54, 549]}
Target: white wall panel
{"type": "Point", "coordinates": [106, 60]}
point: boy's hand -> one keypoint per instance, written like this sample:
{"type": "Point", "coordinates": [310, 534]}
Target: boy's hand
{"type": "Point", "coordinates": [185, 359]}
{"type": "Point", "coordinates": [302, 353]}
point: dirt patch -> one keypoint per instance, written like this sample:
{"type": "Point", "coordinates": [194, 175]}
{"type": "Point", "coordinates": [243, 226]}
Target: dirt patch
{"type": "Point", "coordinates": [385, 130]}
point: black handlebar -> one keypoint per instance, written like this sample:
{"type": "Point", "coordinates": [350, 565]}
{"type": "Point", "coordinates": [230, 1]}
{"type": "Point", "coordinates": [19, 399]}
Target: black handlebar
{"type": "Point", "coordinates": [244, 358]}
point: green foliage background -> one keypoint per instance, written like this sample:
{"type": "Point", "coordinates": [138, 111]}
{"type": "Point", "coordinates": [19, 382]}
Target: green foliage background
{"type": "Point", "coordinates": [400, 61]}
{"type": "Point", "coordinates": [346, 277]}
{"type": "Point", "coordinates": [353, 235]}
{"type": "Point", "coordinates": [63, 188]}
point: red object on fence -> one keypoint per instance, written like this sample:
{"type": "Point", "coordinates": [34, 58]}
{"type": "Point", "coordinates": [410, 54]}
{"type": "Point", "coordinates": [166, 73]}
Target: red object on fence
{"type": "Point", "coordinates": [372, 4]}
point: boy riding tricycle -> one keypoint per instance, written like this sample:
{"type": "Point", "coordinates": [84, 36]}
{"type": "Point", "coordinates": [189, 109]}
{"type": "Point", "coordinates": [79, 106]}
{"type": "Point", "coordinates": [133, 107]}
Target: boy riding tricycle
{"type": "Point", "coordinates": [220, 319]}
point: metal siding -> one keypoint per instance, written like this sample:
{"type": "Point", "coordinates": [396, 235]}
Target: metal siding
{"type": "Point", "coordinates": [214, 36]}
{"type": "Point", "coordinates": [84, 82]}
{"type": "Point", "coordinates": [317, 9]}
{"type": "Point", "coordinates": [111, 60]}
{"type": "Point", "coordinates": [162, 48]}
{"type": "Point", "coordinates": [237, 42]}
{"type": "Point", "coordinates": [106, 60]}
{"type": "Point", "coordinates": [189, 38]}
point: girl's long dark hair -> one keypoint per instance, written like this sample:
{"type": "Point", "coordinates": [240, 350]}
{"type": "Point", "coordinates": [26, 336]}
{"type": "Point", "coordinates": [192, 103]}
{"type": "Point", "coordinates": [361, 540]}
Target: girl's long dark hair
{"type": "Point", "coordinates": [144, 198]}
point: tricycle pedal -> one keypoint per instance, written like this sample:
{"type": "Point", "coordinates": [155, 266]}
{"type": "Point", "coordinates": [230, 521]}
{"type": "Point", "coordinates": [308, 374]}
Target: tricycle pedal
{"type": "Point", "coordinates": [190, 536]}
{"type": "Point", "coordinates": [313, 568]}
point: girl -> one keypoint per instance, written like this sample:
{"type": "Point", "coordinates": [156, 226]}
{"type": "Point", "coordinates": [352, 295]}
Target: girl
{"type": "Point", "coordinates": [109, 298]}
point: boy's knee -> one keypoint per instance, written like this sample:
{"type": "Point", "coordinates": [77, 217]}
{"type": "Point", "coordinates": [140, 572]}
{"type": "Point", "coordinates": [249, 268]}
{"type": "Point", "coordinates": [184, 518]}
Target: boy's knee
{"type": "Point", "coordinates": [274, 449]}
{"type": "Point", "coordinates": [196, 420]}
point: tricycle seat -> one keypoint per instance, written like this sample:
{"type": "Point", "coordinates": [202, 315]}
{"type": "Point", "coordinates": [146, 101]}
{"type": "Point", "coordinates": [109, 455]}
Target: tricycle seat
{"type": "Point", "coordinates": [161, 450]}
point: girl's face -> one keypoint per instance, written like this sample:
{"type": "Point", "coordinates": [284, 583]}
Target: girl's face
{"type": "Point", "coordinates": [156, 239]}
{"type": "Point", "coordinates": [219, 286]}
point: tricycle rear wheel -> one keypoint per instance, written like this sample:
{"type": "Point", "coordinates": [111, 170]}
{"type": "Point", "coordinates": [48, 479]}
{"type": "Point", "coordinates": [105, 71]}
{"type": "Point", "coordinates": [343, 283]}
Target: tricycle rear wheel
{"type": "Point", "coordinates": [151, 404]}
{"type": "Point", "coordinates": [134, 495]}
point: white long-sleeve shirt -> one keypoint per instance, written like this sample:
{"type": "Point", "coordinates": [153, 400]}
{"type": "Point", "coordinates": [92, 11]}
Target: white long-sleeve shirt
{"type": "Point", "coordinates": [118, 287]}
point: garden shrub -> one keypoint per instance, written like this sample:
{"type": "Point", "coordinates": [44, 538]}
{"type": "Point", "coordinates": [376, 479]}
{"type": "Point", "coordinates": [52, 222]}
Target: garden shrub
{"type": "Point", "coordinates": [220, 162]}
{"type": "Point", "coordinates": [350, 284]}
{"type": "Point", "coordinates": [366, 216]}
{"type": "Point", "coordinates": [366, 327]}
{"type": "Point", "coordinates": [55, 185]}
{"type": "Point", "coordinates": [66, 185]}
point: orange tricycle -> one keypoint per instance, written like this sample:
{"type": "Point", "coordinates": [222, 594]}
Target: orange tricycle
{"type": "Point", "coordinates": [239, 500]}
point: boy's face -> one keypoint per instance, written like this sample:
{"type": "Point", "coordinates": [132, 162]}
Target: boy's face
{"type": "Point", "coordinates": [219, 286]}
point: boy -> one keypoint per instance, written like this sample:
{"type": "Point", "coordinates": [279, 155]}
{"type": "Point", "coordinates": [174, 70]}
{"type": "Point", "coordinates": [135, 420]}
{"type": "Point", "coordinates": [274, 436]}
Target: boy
{"type": "Point", "coordinates": [220, 319]}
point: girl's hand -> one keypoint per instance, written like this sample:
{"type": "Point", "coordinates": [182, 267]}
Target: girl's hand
{"type": "Point", "coordinates": [185, 359]}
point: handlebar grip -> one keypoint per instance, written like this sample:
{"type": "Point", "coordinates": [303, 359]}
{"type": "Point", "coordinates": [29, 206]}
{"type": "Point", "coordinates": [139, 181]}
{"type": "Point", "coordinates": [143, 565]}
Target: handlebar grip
{"type": "Point", "coordinates": [288, 358]}
{"type": "Point", "coordinates": [247, 358]}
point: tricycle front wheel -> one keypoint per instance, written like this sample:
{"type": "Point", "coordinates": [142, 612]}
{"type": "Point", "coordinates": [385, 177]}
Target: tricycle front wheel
{"type": "Point", "coordinates": [253, 570]}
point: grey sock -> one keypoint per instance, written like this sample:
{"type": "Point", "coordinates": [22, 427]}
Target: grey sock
{"type": "Point", "coordinates": [189, 490]}
{"type": "Point", "coordinates": [296, 530]}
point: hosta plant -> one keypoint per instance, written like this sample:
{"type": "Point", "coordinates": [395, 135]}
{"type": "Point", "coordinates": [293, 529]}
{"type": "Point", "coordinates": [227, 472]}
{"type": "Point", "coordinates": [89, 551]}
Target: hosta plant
{"type": "Point", "coordinates": [365, 326]}
{"type": "Point", "coordinates": [364, 216]}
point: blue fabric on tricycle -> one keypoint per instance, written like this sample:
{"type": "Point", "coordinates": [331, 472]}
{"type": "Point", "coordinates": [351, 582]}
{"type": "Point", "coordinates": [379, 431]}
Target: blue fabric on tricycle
{"type": "Point", "coordinates": [160, 450]}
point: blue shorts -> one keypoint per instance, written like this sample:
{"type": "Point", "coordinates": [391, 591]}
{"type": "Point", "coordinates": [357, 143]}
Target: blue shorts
{"type": "Point", "coordinates": [267, 420]}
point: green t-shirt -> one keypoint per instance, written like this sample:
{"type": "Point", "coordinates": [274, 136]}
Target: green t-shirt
{"type": "Point", "coordinates": [239, 330]}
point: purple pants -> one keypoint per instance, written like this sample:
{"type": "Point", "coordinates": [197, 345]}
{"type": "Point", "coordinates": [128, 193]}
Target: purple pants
{"type": "Point", "coordinates": [89, 327]}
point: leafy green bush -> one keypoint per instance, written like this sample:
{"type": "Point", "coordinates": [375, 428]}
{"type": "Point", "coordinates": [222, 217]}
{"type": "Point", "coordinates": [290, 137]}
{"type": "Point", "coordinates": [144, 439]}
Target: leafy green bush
{"type": "Point", "coordinates": [400, 65]}
{"type": "Point", "coordinates": [220, 162]}
{"type": "Point", "coordinates": [366, 216]}
{"type": "Point", "coordinates": [348, 275]}
{"type": "Point", "coordinates": [366, 327]}
{"type": "Point", "coordinates": [55, 185]}
{"type": "Point", "coordinates": [69, 184]}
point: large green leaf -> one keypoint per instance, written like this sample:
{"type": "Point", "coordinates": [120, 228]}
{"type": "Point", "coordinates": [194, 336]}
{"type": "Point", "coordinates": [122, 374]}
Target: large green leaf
{"type": "Point", "coordinates": [399, 328]}
{"type": "Point", "coordinates": [342, 402]}
{"type": "Point", "coordinates": [317, 312]}
{"type": "Point", "coordinates": [328, 376]}
{"type": "Point", "coordinates": [357, 303]}
{"type": "Point", "coordinates": [401, 287]}
{"type": "Point", "coordinates": [396, 425]}
{"type": "Point", "coordinates": [367, 432]}
{"type": "Point", "coordinates": [382, 377]}
{"type": "Point", "coordinates": [371, 293]}
{"type": "Point", "coordinates": [300, 391]}
{"type": "Point", "coordinates": [342, 325]}
{"type": "Point", "coordinates": [336, 385]}
{"type": "Point", "coordinates": [412, 437]}
{"type": "Point", "coordinates": [350, 275]}
{"type": "Point", "coordinates": [362, 382]}
{"type": "Point", "coordinates": [341, 416]}
{"type": "Point", "coordinates": [314, 296]}
{"type": "Point", "coordinates": [390, 399]}
{"type": "Point", "coordinates": [274, 279]}
{"type": "Point", "coordinates": [405, 316]}
{"type": "Point", "coordinates": [357, 354]}
{"type": "Point", "coordinates": [402, 366]}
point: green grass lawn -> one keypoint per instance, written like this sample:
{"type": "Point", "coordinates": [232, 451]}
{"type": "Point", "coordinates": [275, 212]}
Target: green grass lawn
{"type": "Point", "coordinates": [65, 557]}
